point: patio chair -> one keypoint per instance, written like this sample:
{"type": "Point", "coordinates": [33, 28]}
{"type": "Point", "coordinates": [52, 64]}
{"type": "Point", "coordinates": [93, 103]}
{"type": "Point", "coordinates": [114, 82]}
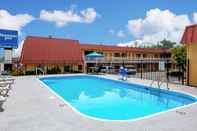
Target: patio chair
{"type": "Point", "coordinates": [98, 69]}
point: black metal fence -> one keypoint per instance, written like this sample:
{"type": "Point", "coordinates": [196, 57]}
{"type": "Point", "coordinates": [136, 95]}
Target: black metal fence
{"type": "Point", "coordinates": [157, 69]}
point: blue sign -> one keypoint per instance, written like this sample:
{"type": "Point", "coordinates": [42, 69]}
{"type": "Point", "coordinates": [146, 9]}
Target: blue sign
{"type": "Point", "coordinates": [8, 38]}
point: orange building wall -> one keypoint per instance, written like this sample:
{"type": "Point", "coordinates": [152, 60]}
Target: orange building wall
{"type": "Point", "coordinates": [192, 57]}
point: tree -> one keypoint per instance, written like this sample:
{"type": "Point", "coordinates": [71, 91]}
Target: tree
{"type": "Point", "coordinates": [167, 44]}
{"type": "Point", "coordinates": [179, 58]}
{"type": "Point", "coordinates": [164, 44]}
{"type": "Point", "coordinates": [179, 55]}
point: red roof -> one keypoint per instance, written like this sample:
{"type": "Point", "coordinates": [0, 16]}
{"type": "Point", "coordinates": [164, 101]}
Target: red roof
{"type": "Point", "coordinates": [190, 35]}
{"type": "Point", "coordinates": [121, 49]}
{"type": "Point", "coordinates": [41, 50]}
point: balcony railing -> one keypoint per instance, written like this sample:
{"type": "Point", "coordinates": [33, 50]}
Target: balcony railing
{"type": "Point", "coordinates": [125, 60]}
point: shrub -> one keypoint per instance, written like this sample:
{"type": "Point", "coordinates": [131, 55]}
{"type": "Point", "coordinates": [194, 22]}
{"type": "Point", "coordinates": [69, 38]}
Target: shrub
{"type": "Point", "coordinates": [30, 72]}
{"type": "Point", "coordinates": [175, 73]}
{"type": "Point", "coordinates": [55, 70]}
{"type": "Point", "coordinates": [17, 73]}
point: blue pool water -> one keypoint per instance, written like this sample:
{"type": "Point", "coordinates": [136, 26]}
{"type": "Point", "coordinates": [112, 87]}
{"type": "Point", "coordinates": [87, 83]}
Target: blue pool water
{"type": "Point", "coordinates": [114, 100]}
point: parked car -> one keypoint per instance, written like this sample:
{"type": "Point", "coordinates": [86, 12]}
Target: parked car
{"type": "Point", "coordinates": [131, 70]}
{"type": "Point", "coordinates": [107, 69]}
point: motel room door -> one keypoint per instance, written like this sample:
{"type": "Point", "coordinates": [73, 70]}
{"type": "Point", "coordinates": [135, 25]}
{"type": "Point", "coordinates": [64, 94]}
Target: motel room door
{"type": "Point", "coordinates": [67, 68]}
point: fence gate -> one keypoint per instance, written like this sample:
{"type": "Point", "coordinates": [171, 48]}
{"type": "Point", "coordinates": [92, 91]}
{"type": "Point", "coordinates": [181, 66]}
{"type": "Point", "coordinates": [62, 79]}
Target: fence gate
{"type": "Point", "coordinates": [162, 69]}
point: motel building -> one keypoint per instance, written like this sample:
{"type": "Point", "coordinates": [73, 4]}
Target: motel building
{"type": "Point", "coordinates": [67, 55]}
{"type": "Point", "coordinates": [189, 39]}
{"type": "Point", "coordinates": [8, 42]}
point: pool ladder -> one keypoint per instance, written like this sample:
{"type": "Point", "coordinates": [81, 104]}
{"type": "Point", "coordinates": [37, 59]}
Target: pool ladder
{"type": "Point", "coordinates": [160, 83]}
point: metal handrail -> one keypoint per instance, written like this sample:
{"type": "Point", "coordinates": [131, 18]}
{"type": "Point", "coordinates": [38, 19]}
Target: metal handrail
{"type": "Point", "coordinates": [125, 59]}
{"type": "Point", "coordinates": [40, 69]}
{"type": "Point", "coordinates": [159, 83]}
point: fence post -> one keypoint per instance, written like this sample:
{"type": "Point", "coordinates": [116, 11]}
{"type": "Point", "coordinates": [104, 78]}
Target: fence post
{"type": "Point", "coordinates": [183, 74]}
{"type": "Point", "coordinates": [151, 76]}
{"type": "Point", "coordinates": [187, 72]}
{"type": "Point", "coordinates": [141, 68]}
{"type": "Point", "coordinates": [167, 70]}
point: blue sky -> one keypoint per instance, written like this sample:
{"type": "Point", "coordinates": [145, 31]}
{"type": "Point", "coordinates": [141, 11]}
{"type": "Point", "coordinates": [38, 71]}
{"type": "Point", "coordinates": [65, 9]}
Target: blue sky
{"type": "Point", "coordinates": [108, 21]}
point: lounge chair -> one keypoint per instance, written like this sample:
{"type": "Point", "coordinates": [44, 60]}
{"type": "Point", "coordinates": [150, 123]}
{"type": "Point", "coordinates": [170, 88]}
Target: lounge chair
{"type": "Point", "coordinates": [5, 87]}
{"type": "Point", "coordinates": [4, 90]}
{"type": "Point", "coordinates": [2, 83]}
{"type": "Point", "coordinates": [2, 100]}
{"type": "Point", "coordinates": [6, 79]}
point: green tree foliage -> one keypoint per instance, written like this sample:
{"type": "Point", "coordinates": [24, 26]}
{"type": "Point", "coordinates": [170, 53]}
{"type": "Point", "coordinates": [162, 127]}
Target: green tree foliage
{"type": "Point", "coordinates": [164, 44]}
{"type": "Point", "coordinates": [167, 44]}
{"type": "Point", "coordinates": [179, 56]}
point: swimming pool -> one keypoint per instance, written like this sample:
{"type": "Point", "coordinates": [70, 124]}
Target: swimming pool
{"type": "Point", "coordinates": [107, 99]}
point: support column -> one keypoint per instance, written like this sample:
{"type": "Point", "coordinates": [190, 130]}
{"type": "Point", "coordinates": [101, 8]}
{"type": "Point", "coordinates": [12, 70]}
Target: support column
{"type": "Point", "coordinates": [2, 67]}
{"type": "Point", "coordinates": [85, 67]}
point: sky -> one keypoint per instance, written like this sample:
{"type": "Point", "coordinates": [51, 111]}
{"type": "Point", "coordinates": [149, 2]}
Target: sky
{"type": "Point", "coordinates": [114, 22]}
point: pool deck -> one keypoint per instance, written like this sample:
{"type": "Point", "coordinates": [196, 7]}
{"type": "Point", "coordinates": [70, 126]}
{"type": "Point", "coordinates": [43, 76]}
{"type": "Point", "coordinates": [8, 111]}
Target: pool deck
{"type": "Point", "coordinates": [32, 107]}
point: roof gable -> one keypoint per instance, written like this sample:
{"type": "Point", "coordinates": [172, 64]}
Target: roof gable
{"type": "Point", "coordinates": [190, 35]}
{"type": "Point", "coordinates": [45, 51]}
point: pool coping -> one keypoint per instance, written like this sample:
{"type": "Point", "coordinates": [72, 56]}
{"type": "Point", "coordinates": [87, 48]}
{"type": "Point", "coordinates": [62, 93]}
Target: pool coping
{"type": "Point", "coordinates": [106, 120]}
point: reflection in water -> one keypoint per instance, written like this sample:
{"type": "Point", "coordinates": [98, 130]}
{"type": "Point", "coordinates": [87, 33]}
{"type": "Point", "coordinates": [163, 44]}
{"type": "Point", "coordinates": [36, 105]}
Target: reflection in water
{"type": "Point", "coordinates": [112, 100]}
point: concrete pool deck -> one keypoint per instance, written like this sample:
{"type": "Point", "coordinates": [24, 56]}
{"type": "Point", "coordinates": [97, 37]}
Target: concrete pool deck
{"type": "Point", "coordinates": [32, 107]}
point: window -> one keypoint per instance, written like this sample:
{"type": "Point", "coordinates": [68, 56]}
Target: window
{"type": "Point", "coordinates": [80, 67]}
{"type": "Point", "coordinates": [144, 55]}
{"type": "Point", "coordinates": [138, 55]}
{"type": "Point", "coordinates": [124, 54]}
{"type": "Point", "coordinates": [156, 55]}
{"type": "Point", "coordinates": [117, 54]}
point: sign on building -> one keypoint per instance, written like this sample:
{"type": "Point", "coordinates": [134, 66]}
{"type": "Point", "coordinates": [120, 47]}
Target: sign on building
{"type": "Point", "coordinates": [8, 38]}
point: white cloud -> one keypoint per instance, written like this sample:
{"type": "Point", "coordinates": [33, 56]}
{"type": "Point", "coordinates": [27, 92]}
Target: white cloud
{"type": "Point", "coordinates": [135, 43]}
{"type": "Point", "coordinates": [62, 18]}
{"type": "Point", "coordinates": [121, 34]}
{"type": "Point", "coordinates": [195, 17]}
{"type": "Point", "coordinates": [126, 44]}
{"type": "Point", "coordinates": [88, 15]}
{"type": "Point", "coordinates": [158, 25]}
{"type": "Point", "coordinates": [135, 27]}
{"type": "Point", "coordinates": [14, 22]}
{"type": "Point", "coordinates": [17, 52]}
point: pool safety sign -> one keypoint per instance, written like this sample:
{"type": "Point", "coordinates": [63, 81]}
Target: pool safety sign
{"type": "Point", "coordinates": [8, 38]}
{"type": "Point", "coordinates": [161, 65]}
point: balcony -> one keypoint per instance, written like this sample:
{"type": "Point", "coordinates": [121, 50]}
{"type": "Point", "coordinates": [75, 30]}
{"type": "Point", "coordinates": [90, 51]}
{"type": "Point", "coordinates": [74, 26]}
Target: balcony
{"type": "Point", "coordinates": [125, 60]}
